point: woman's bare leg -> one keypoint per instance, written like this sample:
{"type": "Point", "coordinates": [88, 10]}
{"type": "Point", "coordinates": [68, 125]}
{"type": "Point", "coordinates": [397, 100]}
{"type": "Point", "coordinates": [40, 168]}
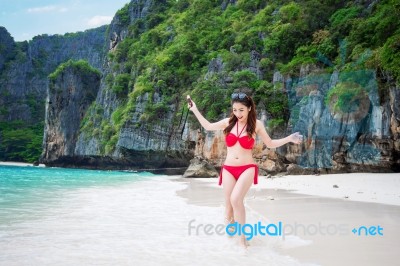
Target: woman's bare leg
{"type": "Point", "coordinates": [228, 183]}
{"type": "Point", "coordinates": [240, 190]}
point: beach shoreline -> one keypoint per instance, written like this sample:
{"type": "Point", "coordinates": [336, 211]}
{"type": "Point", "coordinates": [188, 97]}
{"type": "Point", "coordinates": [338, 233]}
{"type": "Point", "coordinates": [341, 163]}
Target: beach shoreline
{"type": "Point", "coordinates": [171, 171]}
{"type": "Point", "coordinates": [304, 202]}
{"type": "Point", "coordinates": [7, 163]}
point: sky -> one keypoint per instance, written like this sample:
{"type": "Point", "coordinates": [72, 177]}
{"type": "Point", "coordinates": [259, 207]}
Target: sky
{"type": "Point", "coordinates": [25, 19]}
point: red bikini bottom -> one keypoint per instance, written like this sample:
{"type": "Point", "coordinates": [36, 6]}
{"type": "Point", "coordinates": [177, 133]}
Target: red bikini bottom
{"type": "Point", "coordinates": [236, 171]}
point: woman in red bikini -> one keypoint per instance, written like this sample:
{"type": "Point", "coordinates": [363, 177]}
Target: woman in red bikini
{"type": "Point", "coordinates": [239, 170]}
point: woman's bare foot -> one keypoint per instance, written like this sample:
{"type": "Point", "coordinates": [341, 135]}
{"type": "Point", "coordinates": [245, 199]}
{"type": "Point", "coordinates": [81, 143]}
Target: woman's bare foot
{"type": "Point", "coordinates": [244, 243]}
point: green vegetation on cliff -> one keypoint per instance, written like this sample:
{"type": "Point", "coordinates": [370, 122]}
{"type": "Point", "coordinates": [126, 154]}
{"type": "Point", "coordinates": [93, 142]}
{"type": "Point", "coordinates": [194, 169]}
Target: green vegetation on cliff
{"type": "Point", "coordinates": [81, 66]}
{"type": "Point", "coordinates": [171, 50]}
{"type": "Point", "coordinates": [23, 79]}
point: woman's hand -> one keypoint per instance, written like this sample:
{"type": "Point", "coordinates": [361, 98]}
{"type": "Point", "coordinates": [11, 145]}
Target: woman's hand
{"type": "Point", "coordinates": [296, 138]}
{"type": "Point", "coordinates": [191, 104]}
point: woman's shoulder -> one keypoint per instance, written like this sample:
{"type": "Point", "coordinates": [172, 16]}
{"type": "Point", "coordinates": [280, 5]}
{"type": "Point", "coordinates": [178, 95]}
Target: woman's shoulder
{"type": "Point", "coordinates": [223, 123]}
{"type": "Point", "coordinates": [259, 124]}
{"type": "Point", "coordinates": [226, 122]}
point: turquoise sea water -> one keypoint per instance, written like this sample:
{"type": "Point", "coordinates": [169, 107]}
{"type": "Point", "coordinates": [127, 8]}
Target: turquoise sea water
{"type": "Point", "coordinates": [26, 189]}
{"type": "Point", "coordinates": [54, 216]}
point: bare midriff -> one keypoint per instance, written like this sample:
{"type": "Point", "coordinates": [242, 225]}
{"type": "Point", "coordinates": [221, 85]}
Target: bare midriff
{"type": "Point", "coordinates": [236, 156]}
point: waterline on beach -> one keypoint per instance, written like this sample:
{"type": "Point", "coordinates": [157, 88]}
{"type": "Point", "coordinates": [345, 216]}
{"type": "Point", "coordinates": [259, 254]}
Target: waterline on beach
{"type": "Point", "coordinates": [136, 220]}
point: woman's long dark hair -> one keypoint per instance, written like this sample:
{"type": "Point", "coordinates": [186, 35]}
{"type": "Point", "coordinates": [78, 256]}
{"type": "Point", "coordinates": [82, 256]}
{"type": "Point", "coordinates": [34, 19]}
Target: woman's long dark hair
{"type": "Point", "coordinates": [252, 118]}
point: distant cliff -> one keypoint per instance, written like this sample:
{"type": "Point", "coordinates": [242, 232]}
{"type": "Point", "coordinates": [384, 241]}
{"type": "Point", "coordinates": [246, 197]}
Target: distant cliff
{"type": "Point", "coordinates": [25, 73]}
{"type": "Point", "coordinates": [7, 47]}
{"type": "Point", "coordinates": [109, 137]}
{"type": "Point", "coordinates": [24, 67]}
{"type": "Point", "coordinates": [72, 88]}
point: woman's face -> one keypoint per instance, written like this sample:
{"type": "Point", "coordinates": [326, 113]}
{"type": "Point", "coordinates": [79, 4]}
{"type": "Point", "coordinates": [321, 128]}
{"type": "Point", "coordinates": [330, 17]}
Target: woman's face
{"type": "Point", "coordinates": [241, 111]}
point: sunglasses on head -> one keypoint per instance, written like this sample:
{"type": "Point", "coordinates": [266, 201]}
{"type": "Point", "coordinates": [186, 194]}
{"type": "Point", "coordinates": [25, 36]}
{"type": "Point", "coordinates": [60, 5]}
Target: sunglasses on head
{"type": "Point", "coordinates": [239, 95]}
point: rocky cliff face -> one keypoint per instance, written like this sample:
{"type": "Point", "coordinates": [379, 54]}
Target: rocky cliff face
{"type": "Point", "coordinates": [23, 80]}
{"type": "Point", "coordinates": [7, 47]}
{"type": "Point", "coordinates": [139, 145]}
{"type": "Point", "coordinates": [355, 136]}
{"type": "Point", "coordinates": [154, 147]}
{"type": "Point", "coordinates": [118, 29]}
{"type": "Point", "coordinates": [362, 135]}
{"type": "Point", "coordinates": [70, 94]}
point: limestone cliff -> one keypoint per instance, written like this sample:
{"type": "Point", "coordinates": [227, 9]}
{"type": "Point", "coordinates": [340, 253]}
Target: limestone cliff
{"type": "Point", "coordinates": [72, 88]}
{"type": "Point", "coordinates": [7, 47]}
{"type": "Point", "coordinates": [343, 132]}
{"type": "Point", "coordinates": [362, 136]}
{"type": "Point", "coordinates": [24, 77]}
{"type": "Point", "coordinates": [24, 67]}
{"type": "Point", "coordinates": [141, 142]}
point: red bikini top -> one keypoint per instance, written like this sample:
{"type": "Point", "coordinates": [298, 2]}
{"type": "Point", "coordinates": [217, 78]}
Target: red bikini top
{"type": "Point", "coordinates": [245, 141]}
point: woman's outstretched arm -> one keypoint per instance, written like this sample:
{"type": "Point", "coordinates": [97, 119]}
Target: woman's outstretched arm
{"type": "Point", "coordinates": [274, 143]}
{"type": "Point", "coordinates": [220, 125]}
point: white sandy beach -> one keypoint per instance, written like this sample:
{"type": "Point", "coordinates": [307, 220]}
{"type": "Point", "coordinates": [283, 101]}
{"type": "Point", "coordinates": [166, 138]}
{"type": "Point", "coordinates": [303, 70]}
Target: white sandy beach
{"type": "Point", "coordinates": [319, 217]}
{"type": "Point", "coordinates": [365, 187]}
